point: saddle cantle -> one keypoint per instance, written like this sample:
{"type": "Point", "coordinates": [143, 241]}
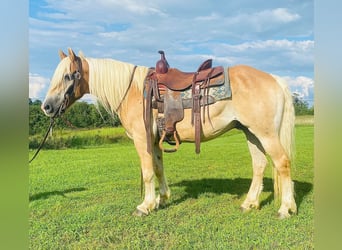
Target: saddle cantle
{"type": "Point", "coordinates": [164, 87]}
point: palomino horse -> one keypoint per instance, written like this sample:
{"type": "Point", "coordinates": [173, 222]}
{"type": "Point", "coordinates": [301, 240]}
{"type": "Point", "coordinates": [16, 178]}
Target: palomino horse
{"type": "Point", "coordinates": [261, 106]}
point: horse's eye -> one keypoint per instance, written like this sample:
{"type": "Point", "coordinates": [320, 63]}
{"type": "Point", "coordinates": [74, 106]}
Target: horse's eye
{"type": "Point", "coordinates": [67, 78]}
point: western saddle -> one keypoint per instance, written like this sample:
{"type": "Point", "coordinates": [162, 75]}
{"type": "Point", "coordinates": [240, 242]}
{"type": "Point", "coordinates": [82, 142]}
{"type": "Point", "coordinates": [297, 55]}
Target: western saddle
{"type": "Point", "coordinates": [164, 87]}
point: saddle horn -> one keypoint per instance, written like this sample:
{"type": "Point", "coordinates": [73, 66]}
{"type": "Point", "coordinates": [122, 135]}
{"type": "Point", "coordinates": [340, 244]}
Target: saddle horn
{"type": "Point", "coordinates": [162, 66]}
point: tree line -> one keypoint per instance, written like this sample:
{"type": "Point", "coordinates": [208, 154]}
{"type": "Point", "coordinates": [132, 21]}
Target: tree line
{"type": "Point", "coordinates": [79, 115]}
{"type": "Point", "coordinates": [89, 115]}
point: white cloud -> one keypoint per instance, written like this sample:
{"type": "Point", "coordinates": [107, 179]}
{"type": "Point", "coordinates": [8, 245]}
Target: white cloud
{"type": "Point", "coordinates": [302, 85]}
{"type": "Point", "coordinates": [276, 15]}
{"type": "Point", "coordinates": [266, 16]}
{"type": "Point", "coordinates": [37, 85]}
{"type": "Point", "coordinates": [212, 17]}
{"type": "Point", "coordinates": [89, 98]}
{"type": "Point", "coordinates": [283, 15]}
{"type": "Point", "coordinates": [137, 7]}
{"type": "Point", "coordinates": [269, 20]}
{"type": "Point", "coordinates": [282, 44]}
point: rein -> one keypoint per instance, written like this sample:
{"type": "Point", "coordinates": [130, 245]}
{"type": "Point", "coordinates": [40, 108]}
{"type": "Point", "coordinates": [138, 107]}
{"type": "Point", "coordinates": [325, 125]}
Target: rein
{"type": "Point", "coordinates": [75, 77]}
{"type": "Point", "coordinates": [52, 122]}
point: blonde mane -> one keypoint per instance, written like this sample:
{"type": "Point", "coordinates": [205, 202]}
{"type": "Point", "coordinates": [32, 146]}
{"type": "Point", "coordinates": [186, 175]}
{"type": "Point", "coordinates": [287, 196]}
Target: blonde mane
{"type": "Point", "coordinates": [109, 81]}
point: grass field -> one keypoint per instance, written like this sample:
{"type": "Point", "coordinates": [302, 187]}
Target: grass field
{"type": "Point", "coordinates": [84, 198]}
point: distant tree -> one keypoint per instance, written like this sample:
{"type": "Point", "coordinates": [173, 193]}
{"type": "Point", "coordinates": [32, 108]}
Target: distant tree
{"type": "Point", "coordinates": [301, 106]}
{"type": "Point", "coordinates": [107, 119]}
{"type": "Point", "coordinates": [37, 102]}
{"type": "Point", "coordinates": [38, 121]}
{"type": "Point", "coordinates": [85, 115]}
{"type": "Point", "coordinates": [78, 115]}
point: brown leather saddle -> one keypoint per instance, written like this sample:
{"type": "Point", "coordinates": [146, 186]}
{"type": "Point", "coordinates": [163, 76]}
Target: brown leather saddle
{"type": "Point", "coordinates": [164, 87]}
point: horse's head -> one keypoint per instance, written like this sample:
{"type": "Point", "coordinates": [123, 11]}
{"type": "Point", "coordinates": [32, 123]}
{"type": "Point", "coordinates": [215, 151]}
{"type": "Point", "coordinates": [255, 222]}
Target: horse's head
{"type": "Point", "coordinates": [69, 83]}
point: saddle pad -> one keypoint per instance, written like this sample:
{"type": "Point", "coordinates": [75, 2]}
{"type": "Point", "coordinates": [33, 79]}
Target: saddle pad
{"type": "Point", "coordinates": [220, 92]}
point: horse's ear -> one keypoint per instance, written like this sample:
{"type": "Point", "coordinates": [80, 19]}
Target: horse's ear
{"type": "Point", "coordinates": [61, 54]}
{"type": "Point", "coordinates": [72, 55]}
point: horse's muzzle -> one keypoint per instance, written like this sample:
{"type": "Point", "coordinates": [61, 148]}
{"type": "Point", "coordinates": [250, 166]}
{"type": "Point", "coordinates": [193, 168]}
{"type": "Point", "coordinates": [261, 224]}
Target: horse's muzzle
{"type": "Point", "coordinates": [48, 109]}
{"type": "Point", "coordinates": [52, 110]}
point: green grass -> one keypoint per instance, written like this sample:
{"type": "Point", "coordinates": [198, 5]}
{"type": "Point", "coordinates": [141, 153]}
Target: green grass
{"type": "Point", "coordinates": [305, 120]}
{"type": "Point", "coordinates": [84, 198]}
{"type": "Point", "coordinates": [80, 138]}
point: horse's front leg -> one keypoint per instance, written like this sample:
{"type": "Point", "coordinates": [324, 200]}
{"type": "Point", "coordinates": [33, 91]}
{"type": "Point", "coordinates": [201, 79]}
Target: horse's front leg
{"type": "Point", "coordinates": [164, 190]}
{"type": "Point", "coordinates": [147, 170]}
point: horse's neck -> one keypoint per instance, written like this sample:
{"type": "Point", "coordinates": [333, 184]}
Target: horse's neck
{"type": "Point", "coordinates": [108, 81]}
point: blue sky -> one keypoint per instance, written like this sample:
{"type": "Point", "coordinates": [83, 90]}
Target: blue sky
{"type": "Point", "coordinates": [274, 36]}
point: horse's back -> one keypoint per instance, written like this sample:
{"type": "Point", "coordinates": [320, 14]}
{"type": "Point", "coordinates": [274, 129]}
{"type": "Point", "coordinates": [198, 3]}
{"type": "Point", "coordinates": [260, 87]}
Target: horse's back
{"type": "Point", "coordinates": [243, 77]}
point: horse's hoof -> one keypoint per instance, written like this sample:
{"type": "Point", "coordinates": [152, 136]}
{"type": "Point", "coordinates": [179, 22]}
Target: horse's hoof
{"type": "Point", "coordinates": [245, 210]}
{"type": "Point", "coordinates": [282, 216]}
{"type": "Point", "coordinates": [139, 213]}
{"type": "Point", "coordinates": [251, 206]}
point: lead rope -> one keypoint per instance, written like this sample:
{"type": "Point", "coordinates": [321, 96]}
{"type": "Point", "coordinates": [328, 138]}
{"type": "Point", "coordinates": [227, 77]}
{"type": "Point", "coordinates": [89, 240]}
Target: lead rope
{"type": "Point", "coordinates": [52, 121]}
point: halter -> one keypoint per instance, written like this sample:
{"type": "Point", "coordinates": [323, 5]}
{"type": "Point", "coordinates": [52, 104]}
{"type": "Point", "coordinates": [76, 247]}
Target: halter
{"type": "Point", "coordinates": [70, 91]}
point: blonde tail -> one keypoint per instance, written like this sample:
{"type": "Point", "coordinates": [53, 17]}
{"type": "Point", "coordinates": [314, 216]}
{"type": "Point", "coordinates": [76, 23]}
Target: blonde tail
{"type": "Point", "coordinates": [286, 134]}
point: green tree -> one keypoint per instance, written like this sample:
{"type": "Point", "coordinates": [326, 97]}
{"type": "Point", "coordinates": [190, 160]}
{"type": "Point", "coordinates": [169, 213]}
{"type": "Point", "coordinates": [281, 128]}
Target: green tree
{"type": "Point", "coordinates": [38, 121]}
{"type": "Point", "coordinates": [301, 106]}
{"type": "Point", "coordinates": [79, 115]}
{"type": "Point", "coordinates": [107, 119]}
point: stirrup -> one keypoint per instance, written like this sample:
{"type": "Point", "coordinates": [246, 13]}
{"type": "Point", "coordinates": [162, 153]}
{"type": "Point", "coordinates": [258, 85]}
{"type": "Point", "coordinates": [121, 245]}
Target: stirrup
{"type": "Point", "coordinates": [169, 150]}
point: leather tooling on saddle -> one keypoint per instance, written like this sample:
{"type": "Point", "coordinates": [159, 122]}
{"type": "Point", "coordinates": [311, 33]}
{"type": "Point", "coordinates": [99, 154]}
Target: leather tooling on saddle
{"type": "Point", "coordinates": [170, 91]}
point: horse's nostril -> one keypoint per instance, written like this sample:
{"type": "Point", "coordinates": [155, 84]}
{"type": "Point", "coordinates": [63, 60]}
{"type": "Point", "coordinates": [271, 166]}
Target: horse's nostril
{"type": "Point", "coordinates": [47, 108]}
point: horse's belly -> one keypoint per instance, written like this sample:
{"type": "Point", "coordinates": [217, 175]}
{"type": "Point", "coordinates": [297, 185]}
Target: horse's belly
{"type": "Point", "coordinates": [221, 120]}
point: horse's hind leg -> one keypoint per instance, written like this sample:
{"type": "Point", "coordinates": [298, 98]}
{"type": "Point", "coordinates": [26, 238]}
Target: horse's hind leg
{"type": "Point", "coordinates": [282, 181]}
{"type": "Point", "coordinates": [259, 162]}
{"type": "Point", "coordinates": [164, 191]}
